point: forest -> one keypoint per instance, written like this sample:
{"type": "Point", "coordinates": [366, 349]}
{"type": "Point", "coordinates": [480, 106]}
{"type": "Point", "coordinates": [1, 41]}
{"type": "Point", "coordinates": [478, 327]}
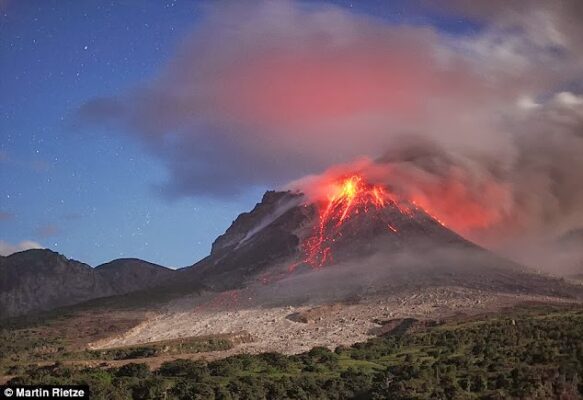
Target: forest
{"type": "Point", "coordinates": [519, 355]}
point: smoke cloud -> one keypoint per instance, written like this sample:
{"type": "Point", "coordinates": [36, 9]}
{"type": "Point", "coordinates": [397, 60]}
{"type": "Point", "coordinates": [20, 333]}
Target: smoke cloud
{"type": "Point", "coordinates": [7, 248]}
{"type": "Point", "coordinates": [484, 130]}
{"type": "Point", "coordinates": [532, 189]}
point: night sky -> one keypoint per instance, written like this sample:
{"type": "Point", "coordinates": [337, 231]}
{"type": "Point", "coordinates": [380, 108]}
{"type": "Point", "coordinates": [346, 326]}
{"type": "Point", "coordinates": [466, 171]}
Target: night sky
{"type": "Point", "coordinates": [88, 194]}
{"type": "Point", "coordinates": [96, 191]}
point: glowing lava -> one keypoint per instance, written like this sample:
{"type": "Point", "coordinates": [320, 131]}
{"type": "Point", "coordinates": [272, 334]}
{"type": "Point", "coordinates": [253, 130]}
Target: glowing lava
{"type": "Point", "coordinates": [351, 197]}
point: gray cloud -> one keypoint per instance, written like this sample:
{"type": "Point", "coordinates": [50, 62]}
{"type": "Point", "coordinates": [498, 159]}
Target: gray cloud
{"type": "Point", "coordinates": [268, 93]}
{"type": "Point", "coordinates": [485, 129]}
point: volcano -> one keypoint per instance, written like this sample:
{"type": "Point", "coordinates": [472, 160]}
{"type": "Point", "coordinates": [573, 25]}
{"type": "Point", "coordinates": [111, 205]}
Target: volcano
{"type": "Point", "coordinates": [356, 213]}
{"type": "Point", "coordinates": [300, 270]}
{"type": "Point", "coordinates": [358, 234]}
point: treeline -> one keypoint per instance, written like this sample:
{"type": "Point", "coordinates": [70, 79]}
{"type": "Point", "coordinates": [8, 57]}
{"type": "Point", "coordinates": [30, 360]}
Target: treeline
{"type": "Point", "coordinates": [29, 345]}
{"type": "Point", "coordinates": [528, 356]}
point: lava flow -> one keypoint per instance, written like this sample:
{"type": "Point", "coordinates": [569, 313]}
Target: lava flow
{"type": "Point", "coordinates": [352, 196]}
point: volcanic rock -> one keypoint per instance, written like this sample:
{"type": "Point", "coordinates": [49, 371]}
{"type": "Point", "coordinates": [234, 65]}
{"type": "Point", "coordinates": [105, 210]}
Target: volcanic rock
{"type": "Point", "coordinates": [361, 241]}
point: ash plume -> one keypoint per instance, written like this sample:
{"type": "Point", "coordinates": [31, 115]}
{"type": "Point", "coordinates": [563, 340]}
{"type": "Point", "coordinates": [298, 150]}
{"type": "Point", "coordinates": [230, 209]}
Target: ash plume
{"type": "Point", "coordinates": [514, 201]}
{"type": "Point", "coordinates": [483, 130]}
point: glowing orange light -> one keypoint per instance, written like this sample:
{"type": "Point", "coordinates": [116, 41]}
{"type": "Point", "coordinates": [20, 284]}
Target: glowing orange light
{"type": "Point", "coordinates": [429, 213]}
{"type": "Point", "coordinates": [351, 196]}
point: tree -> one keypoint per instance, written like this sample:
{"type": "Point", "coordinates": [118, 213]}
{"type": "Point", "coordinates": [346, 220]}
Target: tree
{"type": "Point", "coordinates": [137, 370]}
{"type": "Point", "coordinates": [194, 370]}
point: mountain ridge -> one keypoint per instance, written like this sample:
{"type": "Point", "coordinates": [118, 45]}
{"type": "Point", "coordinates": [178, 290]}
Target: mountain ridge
{"type": "Point", "coordinates": [41, 279]}
{"type": "Point", "coordinates": [268, 250]}
{"type": "Point", "coordinates": [397, 243]}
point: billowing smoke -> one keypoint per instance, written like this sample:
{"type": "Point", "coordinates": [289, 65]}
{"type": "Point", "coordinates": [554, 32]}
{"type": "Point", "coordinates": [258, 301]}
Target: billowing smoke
{"type": "Point", "coordinates": [534, 189]}
{"type": "Point", "coordinates": [484, 130]}
{"type": "Point", "coordinates": [521, 205]}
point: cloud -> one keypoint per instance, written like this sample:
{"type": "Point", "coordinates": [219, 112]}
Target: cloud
{"type": "Point", "coordinates": [484, 129]}
{"type": "Point", "coordinates": [263, 94]}
{"type": "Point", "coordinates": [519, 206]}
{"type": "Point", "coordinates": [544, 24]}
{"type": "Point", "coordinates": [8, 248]}
{"type": "Point", "coordinates": [46, 231]}
{"type": "Point", "coordinates": [6, 216]}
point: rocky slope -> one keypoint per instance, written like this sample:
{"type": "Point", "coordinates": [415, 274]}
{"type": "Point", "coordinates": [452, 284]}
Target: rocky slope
{"type": "Point", "coordinates": [294, 275]}
{"type": "Point", "coordinates": [271, 251]}
{"type": "Point", "coordinates": [40, 279]}
{"type": "Point", "coordinates": [256, 240]}
{"type": "Point", "coordinates": [286, 251]}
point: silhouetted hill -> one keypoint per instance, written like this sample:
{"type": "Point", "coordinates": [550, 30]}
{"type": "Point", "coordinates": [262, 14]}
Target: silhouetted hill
{"type": "Point", "coordinates": [127, 275]}
{"type": "Point", "coordinates": [41, 279]}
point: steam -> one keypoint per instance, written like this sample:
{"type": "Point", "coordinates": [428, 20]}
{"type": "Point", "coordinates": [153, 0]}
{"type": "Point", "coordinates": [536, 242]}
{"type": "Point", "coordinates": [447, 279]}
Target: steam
{"type": "Point", "coordinates": [519, 205]}
{"type": "Point", "coordinates": [483, 130]}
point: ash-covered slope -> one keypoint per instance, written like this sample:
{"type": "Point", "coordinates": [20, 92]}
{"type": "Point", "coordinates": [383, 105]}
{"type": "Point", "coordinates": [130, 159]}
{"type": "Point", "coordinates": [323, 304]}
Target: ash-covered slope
{"type": "Point", "coordinates": [39, 280]}
{"type": "Point", "coordinates": [360, 239]}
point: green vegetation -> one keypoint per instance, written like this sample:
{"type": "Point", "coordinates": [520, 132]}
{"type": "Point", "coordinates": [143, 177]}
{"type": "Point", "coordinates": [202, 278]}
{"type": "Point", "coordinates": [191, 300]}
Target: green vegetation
{"type": "Point", "coordinates": [182, 346]}
{"type": "Point", "coordinates": [21, 347]}
{"type": "Point", "coordinates": [521, 355]}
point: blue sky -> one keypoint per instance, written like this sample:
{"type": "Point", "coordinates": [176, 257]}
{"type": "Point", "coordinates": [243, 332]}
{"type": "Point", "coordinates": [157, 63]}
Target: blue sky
{"type": "Point", "coordinates": [92, 193]}
{"type": "Point", "coordinates": [88, 193]}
